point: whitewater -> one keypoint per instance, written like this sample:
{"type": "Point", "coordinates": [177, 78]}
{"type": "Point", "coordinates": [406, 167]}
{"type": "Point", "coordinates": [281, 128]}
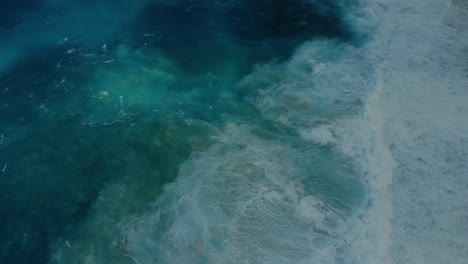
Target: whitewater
{"type": "Point", "coordinates": [244, 200]}
{"type": "Point", "coordinates": [352, 149]}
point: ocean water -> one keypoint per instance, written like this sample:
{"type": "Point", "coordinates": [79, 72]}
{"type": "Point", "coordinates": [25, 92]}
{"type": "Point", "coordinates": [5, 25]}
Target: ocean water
{"type": "Point", "coordinates": [234, 131]}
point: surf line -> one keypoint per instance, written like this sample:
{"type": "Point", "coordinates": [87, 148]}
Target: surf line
{"type": "Point", "coordinates": [381, 165]}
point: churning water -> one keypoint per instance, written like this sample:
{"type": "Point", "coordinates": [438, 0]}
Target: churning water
{"type": "Point", "coordinates": [234, 131]}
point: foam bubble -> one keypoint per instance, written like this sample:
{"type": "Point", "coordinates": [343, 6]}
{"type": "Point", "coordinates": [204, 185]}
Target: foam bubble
{"type": "Point", "coordinates": [322, 135]}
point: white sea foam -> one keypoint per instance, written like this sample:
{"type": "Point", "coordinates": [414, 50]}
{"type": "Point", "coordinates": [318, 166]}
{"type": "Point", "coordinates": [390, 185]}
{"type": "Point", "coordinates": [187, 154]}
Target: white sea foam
{"type": "Point", "coordinates": [423, 119]}
{"type": "Point", "coordinates": [322, 135]}
{"type": "Point", "coordinates": [313, 77]}
{"type": "Point", "coordinates": [363, 139]}
{"type": "Point", "coordinates": [411, 139]}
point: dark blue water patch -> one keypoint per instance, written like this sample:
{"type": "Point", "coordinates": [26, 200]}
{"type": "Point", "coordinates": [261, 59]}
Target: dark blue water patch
{"type": "Point", "coordinates": [49, 182]}
{"type": "Point", "coordinates": [12, 12]}
{"type": "Point", "coordinates": [264, 19]}
{"type": "Point", "coordinates": [207, 36]}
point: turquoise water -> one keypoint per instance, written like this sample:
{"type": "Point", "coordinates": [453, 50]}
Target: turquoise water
{"type": "Point", "coordinates": [189, 131]}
